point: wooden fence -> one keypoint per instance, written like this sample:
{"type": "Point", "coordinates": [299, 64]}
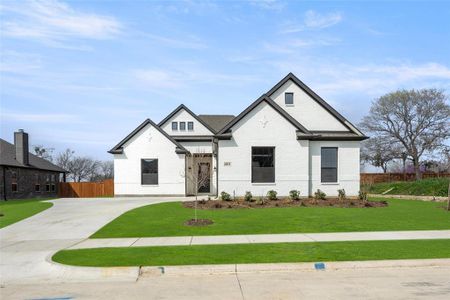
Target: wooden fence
{"type": "Point", "coordinates": [86, 189]}
{"type": "Point", "coordinates": [371, 178]}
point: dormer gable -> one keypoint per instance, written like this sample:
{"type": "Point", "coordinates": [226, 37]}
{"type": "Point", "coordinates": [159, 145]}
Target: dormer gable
{"type": "Point", "coordinates": [183, 122]}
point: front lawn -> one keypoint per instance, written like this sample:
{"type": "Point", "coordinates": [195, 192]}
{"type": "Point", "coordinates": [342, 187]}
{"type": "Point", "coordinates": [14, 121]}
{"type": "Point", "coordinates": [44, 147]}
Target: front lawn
{"type": "Point", "coordinates": [167, 219]}
{"type": "Point", "coordinates": [13, 211]}
{"type": "Point", "coordinates": [424, 187]}
{"type": "Point", "coordinates": [254, 253]}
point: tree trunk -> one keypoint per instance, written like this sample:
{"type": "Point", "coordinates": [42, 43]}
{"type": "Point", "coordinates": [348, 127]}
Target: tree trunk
{"type": "Point", "coordinates": [417, 168]}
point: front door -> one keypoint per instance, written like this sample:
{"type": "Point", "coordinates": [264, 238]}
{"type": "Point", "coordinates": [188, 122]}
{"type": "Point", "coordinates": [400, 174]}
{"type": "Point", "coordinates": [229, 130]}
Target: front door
{"type": "Point", "coordinates": [204, 177]}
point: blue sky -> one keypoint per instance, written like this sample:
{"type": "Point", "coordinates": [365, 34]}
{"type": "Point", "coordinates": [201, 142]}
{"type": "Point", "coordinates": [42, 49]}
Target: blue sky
{"type": "Point", "coordinates": [83, 74]}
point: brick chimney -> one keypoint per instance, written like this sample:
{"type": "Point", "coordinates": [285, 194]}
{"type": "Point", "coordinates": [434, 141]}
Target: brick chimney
{"type": "Point", "coordinates": [21, 143]}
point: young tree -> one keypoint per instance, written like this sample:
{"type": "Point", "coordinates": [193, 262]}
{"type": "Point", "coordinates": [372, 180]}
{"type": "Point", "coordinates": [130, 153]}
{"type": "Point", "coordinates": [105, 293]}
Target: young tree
{"type": "Point", "coordinates": [197, 175]}
{"type": "Point", "coordinates": [416, 119]}
{"type": "Point", "coordinates": [380, 152]}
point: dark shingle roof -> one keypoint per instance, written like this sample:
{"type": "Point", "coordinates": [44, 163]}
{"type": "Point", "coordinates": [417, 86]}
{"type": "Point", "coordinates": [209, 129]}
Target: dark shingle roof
{"type": "Point", "coordinates": [216, 122]}
{"type": "Point", "coordinates": [8, 158]}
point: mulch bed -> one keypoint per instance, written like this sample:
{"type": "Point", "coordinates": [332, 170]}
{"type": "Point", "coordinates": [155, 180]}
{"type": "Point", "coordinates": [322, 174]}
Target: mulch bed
{"type": "Point", "coordinates": [284, 202]}
{"type": "Point", "coordinates": [198, 222]}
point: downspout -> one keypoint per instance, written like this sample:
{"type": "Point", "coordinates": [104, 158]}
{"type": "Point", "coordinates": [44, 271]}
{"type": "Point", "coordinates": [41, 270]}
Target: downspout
{"type": "Point", "coordinates": [216, 141]}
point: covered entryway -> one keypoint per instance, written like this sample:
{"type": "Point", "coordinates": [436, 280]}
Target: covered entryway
{"type": "Point", "coordinates": [199, 174]}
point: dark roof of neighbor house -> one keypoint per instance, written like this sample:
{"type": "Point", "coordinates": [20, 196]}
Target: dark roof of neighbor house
{"type": "Point", "coordinates": [117, 149]}
{"type": "Point", "coordinates": [8, 158]}
{"type": "Point", "coordinates": [216, 122]}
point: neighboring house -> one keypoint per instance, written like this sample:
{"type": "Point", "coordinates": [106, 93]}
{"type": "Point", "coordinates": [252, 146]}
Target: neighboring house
{"type": "Point", "coordinates": [287, 139]}
{"type": "Point", "coordinates": [24, 175]}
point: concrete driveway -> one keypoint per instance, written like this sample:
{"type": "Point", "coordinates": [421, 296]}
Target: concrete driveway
{"type": "Point", "coordinates": [27, 246]}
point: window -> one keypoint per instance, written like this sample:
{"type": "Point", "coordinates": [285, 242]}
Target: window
{"type": "Point", "coordinates": [174, 126]}
{"type": "Point", "coordinates": [329, 164]}
{"type": "Point", "coordinates": [183, 126]}
{"type": "Point", "coordinates": [47, 187]}
{"type": "Point", "coordinates": [53, 177]}
{"type": "Point", "coordinates": [53, 187]}
{"type": "Point", "coordinates": [289, 98]}
{"type": "Point", "coordinates": [190, 126]}
{"type": "Point", "coordinates": [263, 164]}
{"type": "Point", "coordinates": [149, 171]}
{"type": "Point", "coordinates": [37, 183]}
{"type": "Point", "coordinates": [14, 187]}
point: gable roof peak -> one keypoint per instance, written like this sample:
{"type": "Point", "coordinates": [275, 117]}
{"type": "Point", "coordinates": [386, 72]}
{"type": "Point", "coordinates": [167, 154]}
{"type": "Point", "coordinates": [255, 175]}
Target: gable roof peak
{"type": "Point", "coordinates": [180, 107]}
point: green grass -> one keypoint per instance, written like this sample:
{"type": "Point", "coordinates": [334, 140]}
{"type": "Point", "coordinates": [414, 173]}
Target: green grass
{"type": "Point", "coordinates": [424, 187]}
{"type": "Point", "coordinates": [255, 253]}
{"type": "Point", "coordinates": [16, 210]}
{"type": "Point", "coordinates": [166, 219]}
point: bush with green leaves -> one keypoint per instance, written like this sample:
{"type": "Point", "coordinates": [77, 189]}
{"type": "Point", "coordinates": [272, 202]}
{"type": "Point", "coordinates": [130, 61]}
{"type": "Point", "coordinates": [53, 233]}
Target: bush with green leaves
{"type": "Point", "coordinates": [341, 194]}
{"type": "Point", "coordinates": [294, 194]}
{"type": "Point", "coordinates": [248, 196]}
{"type": "Point", "coordinates": [320, 195]}
{"type": "Point", "coordinates": [272, 195]}
{"type": "Point", "coordinates": [362, 195]}
{"type": "Point", "coordinates": [225, 196]}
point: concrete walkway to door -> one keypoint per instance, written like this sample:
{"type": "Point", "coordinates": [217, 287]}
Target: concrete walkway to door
{"type": "Point", "coordinates": [263, 238]}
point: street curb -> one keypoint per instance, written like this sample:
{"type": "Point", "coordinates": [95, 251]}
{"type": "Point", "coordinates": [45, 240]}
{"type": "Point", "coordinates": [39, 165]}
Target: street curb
{"type": "Point", "coordinates": [287, 267]}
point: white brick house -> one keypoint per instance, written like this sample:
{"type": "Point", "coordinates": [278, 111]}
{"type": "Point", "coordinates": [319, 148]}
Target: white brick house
{"type": "Point", "coordinates": [287, 139]}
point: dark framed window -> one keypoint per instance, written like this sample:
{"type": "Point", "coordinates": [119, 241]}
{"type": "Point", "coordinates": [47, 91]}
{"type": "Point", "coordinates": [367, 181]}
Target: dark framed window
{"type": "Point", "coordinates": [53, 178]}
{"type": "Point", "coordinates": [288, 98]}
{"type": "Point", "coordinates": [14, 187]}
{"type": "Point", "coordinates": [47, 187]}
{"type": "Point", "coordinates": [149, 171]}
{"type": "Point", "coordinates": [190, 125]}
{"type": "Point", "coordinates": [182, 125]}
{"type": "Point", "coordinates": [37, 183]}
{"type": "Point", "coordinates": [53, 187]}
{"type": "Point", "coordinates": [174, 125]}
{"type": "Point", "coordinates": [263, 164]}
{"type": "Point", "coordinates": [329, 164]}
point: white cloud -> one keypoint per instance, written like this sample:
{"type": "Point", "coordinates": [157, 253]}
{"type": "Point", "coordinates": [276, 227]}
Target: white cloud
{"type": "Point", "coordinates": [293, 45]}
{"type": "Point", "coordinates": [185, 42]}
{"type": "Point", "coordinates": [268, 4]}
{"type": "Point", "coordinates": [53, 22]}
{"type": "Point", "coordinates": [40, 117]}
{"type": "Point", "coordinates": [314, 20]}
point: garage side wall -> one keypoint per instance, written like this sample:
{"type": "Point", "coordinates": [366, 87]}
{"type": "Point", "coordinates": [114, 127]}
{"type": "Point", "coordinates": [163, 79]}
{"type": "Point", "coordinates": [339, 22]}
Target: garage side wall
{"type": "Point", "coordinates": [149, 143]}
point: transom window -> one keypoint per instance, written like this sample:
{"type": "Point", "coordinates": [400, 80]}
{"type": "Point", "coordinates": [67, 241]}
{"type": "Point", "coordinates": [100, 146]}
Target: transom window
{"type": "Point", "coordinates": [263, 164]}
{"type": "Point", "coordinates": [329, 164]}
{"type": "Point", "coordinates": [289, 98]}
{"type": "Point", "coordinates": [149, 171]}
{"type": "Point", "coordinates": [182, 126]}
{"type": "Point", "coordinates": [174, 125]}
{"type": "Point", "coordinates": [190, 126]}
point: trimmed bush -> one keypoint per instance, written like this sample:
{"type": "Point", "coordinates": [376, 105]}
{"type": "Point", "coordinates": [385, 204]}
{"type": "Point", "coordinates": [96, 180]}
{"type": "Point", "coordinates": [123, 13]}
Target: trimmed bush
{"type": "Point", "coordinates": [320, 195]}
{"type": "Point", "coordinates": [248, 196]}
{"type": "Point", "coordinates": [294, 195]}
{"type": "Point", "coordinates": [225, 196]}
{"type": "Point", "coordinates": [341, 194]}
{"type": "Point", "coordinates": [272, 195]}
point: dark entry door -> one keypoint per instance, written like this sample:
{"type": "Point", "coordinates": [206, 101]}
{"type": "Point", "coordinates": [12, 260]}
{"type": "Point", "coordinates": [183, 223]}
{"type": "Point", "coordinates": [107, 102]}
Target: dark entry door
{"type": "Point", "coordinates": [204, 177]}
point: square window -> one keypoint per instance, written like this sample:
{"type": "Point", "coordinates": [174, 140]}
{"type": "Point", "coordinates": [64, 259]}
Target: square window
{"type": "Point", "coordinates": [289, 98]}
{"type": "Point", "coordinates": [174, 126]}
{"type": "Point", "coordinates": [190, 126]}
{"type": "Point", "coordinates": [37, 187]}
{"type": "Point", "coordinates": [263, 164]}
{"type": "Point", "coordinates": [182, 126]}
{"type": "Point", "coordinates": [149, 171]}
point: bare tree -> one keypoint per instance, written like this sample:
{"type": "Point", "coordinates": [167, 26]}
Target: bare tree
{"type": "Point", "coordinates": [43, 152]}
{"type": "Point", "coordinates": [105, 170]}
{"type": "Point", "coordinates": [79, 168]}
{"type": "Point", "coordinates": [380, 152]}
{"type": "Point", "coordinates": [417, 119]}
{"type": "Point", "coordinates": [64, 159]}
{"type": "Point", "coordinates": [197, 175]}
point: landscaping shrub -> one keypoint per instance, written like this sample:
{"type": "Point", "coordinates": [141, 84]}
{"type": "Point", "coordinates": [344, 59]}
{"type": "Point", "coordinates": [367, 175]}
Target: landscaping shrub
{"type": "Point", "coordinates": [362, 195]}
{"type": "Point", "coordinates": [225, 196]}
{"type": "Point", "coordinates": [294, 195]}
{"type": "Point", "coordinates": [272, 195]}
{"type": "Point", "coordinates": [319, 195]}
{"type": "Point", "coordinates": [248, 196]}
{"type": "Point", "coordinates": [341, 194]}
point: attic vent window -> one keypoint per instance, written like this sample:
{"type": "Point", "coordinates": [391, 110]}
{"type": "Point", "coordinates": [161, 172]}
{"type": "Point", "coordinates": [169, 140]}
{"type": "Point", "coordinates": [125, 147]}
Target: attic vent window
{"type": "Point", "coordinates": [190, 126]}
{"type": "Point", "coordinates": [182, 126]}
{"type": "Point", "coordinates": [289, 98]}
{"type": "Point", "coordinates": [174, 126]}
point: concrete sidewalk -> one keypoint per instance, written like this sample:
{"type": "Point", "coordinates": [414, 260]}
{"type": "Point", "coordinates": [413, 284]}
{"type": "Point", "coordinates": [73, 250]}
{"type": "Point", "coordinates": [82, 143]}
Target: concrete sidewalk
{"type": "Point", "coordinates": [263, 238]}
